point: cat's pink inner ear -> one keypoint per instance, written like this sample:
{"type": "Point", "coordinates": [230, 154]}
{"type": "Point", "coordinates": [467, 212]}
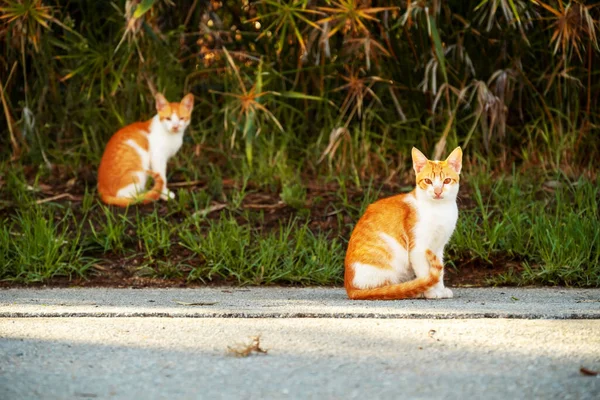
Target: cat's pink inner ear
{"type": "Point", "coordinates": [419, 160]}
{"type": "Point", "coordinates": [188, 101]}
{"type": "Point", "coordinates": [455, 159]}
{"type": "Point", "coordinates": [161, 102]}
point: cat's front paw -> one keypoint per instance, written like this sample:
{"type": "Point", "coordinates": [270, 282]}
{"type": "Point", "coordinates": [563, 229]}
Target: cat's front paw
{"type": "Point", "coordinates": [439, 293]}
{"type": "Point", "coordinates": [167, 195]}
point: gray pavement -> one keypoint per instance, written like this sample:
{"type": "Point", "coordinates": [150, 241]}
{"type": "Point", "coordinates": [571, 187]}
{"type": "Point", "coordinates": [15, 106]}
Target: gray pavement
{"type": "Point", "coordinates": [499, 343]}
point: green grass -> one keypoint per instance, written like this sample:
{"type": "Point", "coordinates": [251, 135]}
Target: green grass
{"type": "Point", "coordinates": [543, 228]}
{"type": "Point", "coordinates": [290, 254]}
{"type": "Point", "coordinates": [35, 247]}
{"type": "Point", "coordinates": [553, 233]}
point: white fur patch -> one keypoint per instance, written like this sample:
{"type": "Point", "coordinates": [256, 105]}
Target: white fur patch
{"type": "Point", "coordinates": [134, 189]}
{"type": "Point", "coordinates": [163, 143]}
{"type": "Point", "coordinates": [436, 220]}
{"type": "Point", "coordinates": [400, 260]}
{"type": "Point", "coordinates": [145, 157]}
{"type": "Point", "coordinates": [143, 177]}
{"type": "Point", "coordinates": [367, 276]}
{"type": "Point", "coordinates": [128, 191]}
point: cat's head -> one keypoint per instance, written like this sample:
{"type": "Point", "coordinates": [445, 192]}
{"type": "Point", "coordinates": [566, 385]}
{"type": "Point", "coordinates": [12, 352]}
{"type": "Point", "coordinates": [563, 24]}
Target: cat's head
{"type": "Point", "coordinates": [438, 179]}
{"type": "Point", "coordinates": [174, 117]}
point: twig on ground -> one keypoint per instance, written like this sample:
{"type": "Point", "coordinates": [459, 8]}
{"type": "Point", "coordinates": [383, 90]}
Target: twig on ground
{"type": "Point", "coordinates": [199, 303]}
{"type": "Point", "coordinates": [279, 204]}
{"type": "Point", "coordinates": [208, 210]}
{"type": "Point", "coordinates": [332, 213]}
{"type": "Point", "coordinates": [226, 182]}
{"type": "Point", "coordinates": [186, 184]}
{"type": "Point", "coordinates": [58, 197]}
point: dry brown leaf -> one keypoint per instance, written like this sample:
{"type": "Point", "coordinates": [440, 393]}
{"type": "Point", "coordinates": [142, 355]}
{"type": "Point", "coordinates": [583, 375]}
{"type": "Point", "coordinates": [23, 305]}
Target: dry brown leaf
{"type": "Point", "coordinates": [244, 350]}
{"type": "Point", "coordinates": [588, 372]}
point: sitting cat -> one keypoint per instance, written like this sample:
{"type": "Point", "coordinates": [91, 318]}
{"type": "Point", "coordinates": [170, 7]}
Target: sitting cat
{"type": "Point", "coordinates": [397, 246]}
{"type": "Point", "coordinates": [142, 149]}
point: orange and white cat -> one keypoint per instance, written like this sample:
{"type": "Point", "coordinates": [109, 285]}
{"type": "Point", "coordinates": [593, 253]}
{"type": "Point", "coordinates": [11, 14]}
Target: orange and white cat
{"type": "Point", "coordinates": [396, 249]}
{"type": "Point", "coordinates": [142, 149]}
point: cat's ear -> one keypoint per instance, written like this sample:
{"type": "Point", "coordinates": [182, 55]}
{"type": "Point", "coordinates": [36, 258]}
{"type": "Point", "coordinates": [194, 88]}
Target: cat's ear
{"type": "Point", "coordinates": [419, 160]}
{"type": "Point", "coordinates": [188, 102]}
{"type": "Point", "coordinates": [161, 102]}
{"type": "Point", "coordinates": [455, 159]}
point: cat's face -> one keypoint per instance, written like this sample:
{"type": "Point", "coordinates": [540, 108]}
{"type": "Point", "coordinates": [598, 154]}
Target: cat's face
{"type": "Point", "coordinates": [175, 117]}
{"type": "Point", "coordinates": [438, 179]}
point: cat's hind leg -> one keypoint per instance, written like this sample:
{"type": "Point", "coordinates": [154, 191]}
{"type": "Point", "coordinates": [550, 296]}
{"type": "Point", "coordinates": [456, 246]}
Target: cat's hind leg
{"type": "Point", "coordinates": [421, 265]}
{"type": "Point", "coordinates": [385, 263]}
{"type": "Point", "coordinates": [133, 184]}
{"type": "Point", "coordinates": [367, 276]}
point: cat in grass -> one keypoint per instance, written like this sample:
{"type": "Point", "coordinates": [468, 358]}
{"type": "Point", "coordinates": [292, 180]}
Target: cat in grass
{"type": "Point", "coordinates": [396, 249]}
{"type": "Point", "coordinates": [140, 150]}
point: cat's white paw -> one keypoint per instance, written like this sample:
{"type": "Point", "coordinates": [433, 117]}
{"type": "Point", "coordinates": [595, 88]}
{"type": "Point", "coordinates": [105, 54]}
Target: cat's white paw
{"type": "Point", "coordinates": [439, 293]}
{"type": "Point", "coordinates": [167, 195]}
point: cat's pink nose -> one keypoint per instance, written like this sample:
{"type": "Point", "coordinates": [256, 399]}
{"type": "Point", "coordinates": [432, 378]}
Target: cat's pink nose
{"type": "Point", "coordinates": [437, 192]}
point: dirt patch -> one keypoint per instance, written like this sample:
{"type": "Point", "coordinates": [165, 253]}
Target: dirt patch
{"type": "Point", "coordinates": [117, 275]}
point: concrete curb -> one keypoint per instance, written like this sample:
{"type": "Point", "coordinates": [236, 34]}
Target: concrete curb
{"type": "Point", "coordinates": [278, 302]}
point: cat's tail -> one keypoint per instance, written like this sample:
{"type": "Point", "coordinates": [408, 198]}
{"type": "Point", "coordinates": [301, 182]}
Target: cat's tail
{"type": "Point", "coordinates": [402, 290]}
{"type": "Point", "coordinates": [151, 195]}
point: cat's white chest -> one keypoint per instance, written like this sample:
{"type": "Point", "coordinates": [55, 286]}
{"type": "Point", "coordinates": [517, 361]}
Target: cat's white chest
{"type": "Point", "coordinates": [167, 145]}
{"type": "Point", "coordinates": [435, 225]}
{"type": "Point", "coordinates": [162, 143]}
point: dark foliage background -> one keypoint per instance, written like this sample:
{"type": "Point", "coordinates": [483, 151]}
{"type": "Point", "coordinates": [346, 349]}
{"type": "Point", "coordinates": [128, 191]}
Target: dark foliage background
{"type": "Point", "coordinates": [509, 80]}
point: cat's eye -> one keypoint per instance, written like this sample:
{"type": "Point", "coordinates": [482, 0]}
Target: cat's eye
{"type": "Point", "coordinates": [447, 181]}
{"type": "Point", "coordinates": [428, 181]}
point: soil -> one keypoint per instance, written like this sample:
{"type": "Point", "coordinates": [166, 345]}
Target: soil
{"type": "Point", "coordinates": [117, 277]}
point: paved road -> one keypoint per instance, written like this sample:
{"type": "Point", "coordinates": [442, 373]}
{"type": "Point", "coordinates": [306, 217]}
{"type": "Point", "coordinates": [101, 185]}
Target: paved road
{"type": "Point", "coordinates": [319, 345]}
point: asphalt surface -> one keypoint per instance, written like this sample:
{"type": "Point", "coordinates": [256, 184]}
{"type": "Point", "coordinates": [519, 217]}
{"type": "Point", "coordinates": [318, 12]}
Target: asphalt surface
{"type": "Point", "coordinates": [170, 344]}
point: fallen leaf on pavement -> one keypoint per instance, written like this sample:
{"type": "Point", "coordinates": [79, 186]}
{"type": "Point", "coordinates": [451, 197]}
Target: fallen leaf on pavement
{"type": "Point", "coordinates": [588, 372]}
{"type": "Point", "coordinates": [244, 350]}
